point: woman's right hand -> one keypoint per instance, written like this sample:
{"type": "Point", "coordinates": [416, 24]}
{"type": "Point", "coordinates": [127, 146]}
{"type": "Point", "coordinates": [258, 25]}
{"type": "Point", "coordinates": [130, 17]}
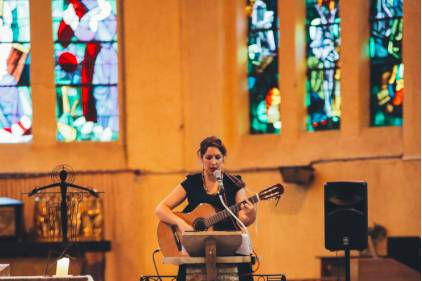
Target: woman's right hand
{"type": "Point", "coordinates": [184, 226]}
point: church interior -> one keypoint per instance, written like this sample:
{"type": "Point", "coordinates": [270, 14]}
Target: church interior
{"type": "Point", "coordinates": [182, 70]}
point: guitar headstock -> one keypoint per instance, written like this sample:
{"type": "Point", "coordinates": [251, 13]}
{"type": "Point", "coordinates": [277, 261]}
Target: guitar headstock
{"type": "Point", "coordinates": [274, 191]}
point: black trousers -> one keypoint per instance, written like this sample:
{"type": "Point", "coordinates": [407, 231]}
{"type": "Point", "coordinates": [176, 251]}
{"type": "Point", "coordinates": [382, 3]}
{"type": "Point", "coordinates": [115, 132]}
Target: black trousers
{"type": "Point", "coordinates": [244, 269]}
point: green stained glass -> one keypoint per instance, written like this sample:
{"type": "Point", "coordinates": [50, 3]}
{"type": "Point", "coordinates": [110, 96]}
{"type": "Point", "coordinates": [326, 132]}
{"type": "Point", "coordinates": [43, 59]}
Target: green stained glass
{"type": "Point", "coordinates": [323, 73]}
{"type": "Point", "coordinates": [387, 69]}
{"type": "Point", "coordinates": [86, 70]}
{"type": "Point", "coordinates": [263, 88]}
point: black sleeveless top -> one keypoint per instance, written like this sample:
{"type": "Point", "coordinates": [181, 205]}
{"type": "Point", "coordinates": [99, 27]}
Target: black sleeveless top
{"type": "Point", "coordinates": [196, 194]}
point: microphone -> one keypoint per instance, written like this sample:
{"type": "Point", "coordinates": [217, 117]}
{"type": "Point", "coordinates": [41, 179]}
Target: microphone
{"type": "Point", "coordinates": [219, 177]}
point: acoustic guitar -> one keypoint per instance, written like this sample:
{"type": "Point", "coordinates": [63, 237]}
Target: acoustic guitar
{"type": "Point", "coordinates": [202, 218]}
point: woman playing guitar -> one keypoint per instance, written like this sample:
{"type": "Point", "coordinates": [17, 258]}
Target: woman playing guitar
{"type": "Point", "coordinates": [203, 188]}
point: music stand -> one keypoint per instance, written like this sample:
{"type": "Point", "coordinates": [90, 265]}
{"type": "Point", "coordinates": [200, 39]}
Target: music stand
{"type": "Point", "coordinates": [227, 242]}
{"type": "Point", "coordinates": [210, 243]}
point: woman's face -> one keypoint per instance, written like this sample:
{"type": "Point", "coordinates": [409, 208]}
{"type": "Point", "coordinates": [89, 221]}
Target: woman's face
{"type": "Point", "coordinates": [212, 160]}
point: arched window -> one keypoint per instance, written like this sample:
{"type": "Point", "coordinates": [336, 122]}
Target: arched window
{"type": "Point", "coordinates": [385, 49]}
{"type": "Point", "coordinates": [85, 51]}
{"type": "Point", "coordinates": [15, 90]}
{"type": "Point", "coordinates": [264, 95]}
{"type": "Point", "coordinates": [323, 73]}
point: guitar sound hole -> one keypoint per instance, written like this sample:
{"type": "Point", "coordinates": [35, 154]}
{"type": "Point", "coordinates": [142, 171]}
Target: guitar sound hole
{"type": "Point", "coordinates": [199, 224]}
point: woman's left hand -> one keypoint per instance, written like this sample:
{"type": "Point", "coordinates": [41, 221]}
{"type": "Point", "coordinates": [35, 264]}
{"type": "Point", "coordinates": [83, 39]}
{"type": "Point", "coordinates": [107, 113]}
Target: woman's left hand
{"type": "Point", "coordinates": [248, 208]}
{"type": "Point", "coordinates": [247, 213]}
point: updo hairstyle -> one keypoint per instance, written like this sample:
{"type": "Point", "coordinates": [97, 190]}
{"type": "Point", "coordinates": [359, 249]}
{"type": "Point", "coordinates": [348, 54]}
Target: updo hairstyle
{"type": "Point", "coordinates": [211, 141]}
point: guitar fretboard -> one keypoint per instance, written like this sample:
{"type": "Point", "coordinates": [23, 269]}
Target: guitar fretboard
{"type": "Point", "coordinates": [225, 214]}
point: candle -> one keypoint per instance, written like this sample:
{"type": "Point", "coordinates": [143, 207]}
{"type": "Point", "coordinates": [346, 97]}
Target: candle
{"type": "Point", "coordinates": [62, 268]}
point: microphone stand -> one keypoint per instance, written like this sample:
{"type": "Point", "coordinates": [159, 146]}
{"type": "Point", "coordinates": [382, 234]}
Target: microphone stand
{"type": "Point", "coordinates": [63, 190]}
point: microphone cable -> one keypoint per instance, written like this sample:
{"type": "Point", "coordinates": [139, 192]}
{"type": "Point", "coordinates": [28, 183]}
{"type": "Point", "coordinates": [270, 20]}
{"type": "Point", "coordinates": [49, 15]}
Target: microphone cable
{"type": "Point", "coordinates": [238, 220]}
{"type": "Point", "coordinates": [219, 177]}
{"type": "Point", "coordinates": [155, 264]}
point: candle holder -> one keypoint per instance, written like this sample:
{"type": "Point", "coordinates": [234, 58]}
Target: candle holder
{"type": "Point", "coordinates": [85, 217]}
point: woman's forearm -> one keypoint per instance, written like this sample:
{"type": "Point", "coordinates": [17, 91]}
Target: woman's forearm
{"type": "Point", "coordinates": [165, 214]}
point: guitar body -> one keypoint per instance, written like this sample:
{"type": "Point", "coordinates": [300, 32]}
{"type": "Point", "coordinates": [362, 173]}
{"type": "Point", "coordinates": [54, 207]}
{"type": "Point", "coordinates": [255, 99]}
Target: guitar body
{"type": "Point", "coordinates": [169, 237]}
{"type": "Point", "coordinates": [203, 218]}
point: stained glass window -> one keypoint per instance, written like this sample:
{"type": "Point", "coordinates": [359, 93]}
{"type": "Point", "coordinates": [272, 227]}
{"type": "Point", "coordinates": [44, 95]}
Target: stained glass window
{"type": "Point", "coordinates": [385, 47]}
{"type": "Point", "coordinates": [85, 51]}
{"type": "Point", "coordinates": [323, 73]}
{"type": "Point", "coordinates": [264, 95]}
{"type": "Point", "coordinates": [15, 90]}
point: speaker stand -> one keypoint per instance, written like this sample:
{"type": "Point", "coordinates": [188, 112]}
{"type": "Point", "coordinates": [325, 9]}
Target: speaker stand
{"type": "Point", "coordinates": [347, 263]}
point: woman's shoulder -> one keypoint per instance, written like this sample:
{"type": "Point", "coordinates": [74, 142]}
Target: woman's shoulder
{"type": "Point", "coordinates": [194, 176]}
{"type": "Point", "coordinates": [236, 180]}
{"type": "Point", "coordinates": [191, 179]}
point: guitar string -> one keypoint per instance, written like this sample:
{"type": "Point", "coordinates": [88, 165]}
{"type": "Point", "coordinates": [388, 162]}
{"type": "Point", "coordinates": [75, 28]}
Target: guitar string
{"type": "Point", "coordinates": [224, 214]}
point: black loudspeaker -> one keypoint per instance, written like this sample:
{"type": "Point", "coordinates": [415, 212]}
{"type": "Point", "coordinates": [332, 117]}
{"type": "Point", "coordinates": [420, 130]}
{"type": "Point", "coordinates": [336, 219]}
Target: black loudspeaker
{"type": "Point", "coordinates": [346, 215]}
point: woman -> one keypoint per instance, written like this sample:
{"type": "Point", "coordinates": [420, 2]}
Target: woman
{"type": "Point", "coordinates": [203, 188]}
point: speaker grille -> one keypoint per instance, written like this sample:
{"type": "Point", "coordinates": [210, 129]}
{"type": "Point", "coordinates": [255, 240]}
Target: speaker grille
{"type": "Point", "coordinates": [346, 215]}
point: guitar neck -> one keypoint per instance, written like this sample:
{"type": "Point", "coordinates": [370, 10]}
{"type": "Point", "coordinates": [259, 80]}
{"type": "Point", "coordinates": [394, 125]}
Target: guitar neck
{"type": "Point", "coordinates": [225, 214]}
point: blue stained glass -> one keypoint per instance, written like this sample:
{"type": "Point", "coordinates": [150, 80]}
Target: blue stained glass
{"type": "Point", "coordinates": [387, 69]}
{"type": "Point", "coordinates": [323, 73]}
{"type": "Point", "coordinates": [264, 95]}
{"type": "Point", "coordinates": [15, 90]}
{"type": "Point", "coordinates": [86, 70]}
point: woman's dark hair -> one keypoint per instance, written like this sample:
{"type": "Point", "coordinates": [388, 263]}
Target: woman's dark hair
{"type": "Point", "coordinates": [212, 141]}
